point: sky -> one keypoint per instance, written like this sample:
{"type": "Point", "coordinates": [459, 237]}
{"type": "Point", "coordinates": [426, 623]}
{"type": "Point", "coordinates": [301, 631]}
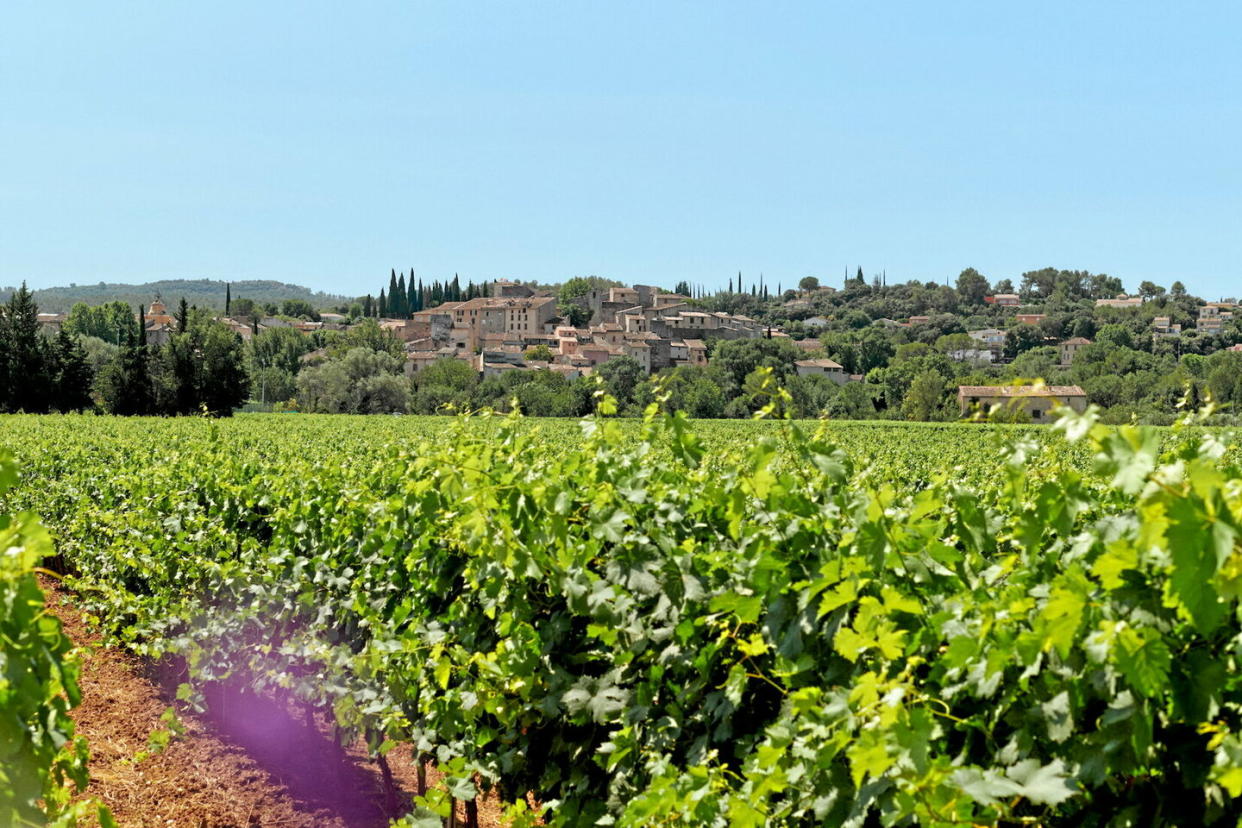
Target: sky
{"type": "Point", "coordinates": [651, 142]}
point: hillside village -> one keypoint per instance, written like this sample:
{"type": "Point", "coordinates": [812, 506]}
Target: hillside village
{"type": "Point", "coordinates": [816, 338]}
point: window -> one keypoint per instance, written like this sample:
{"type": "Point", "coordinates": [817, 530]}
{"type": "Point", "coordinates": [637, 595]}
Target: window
{"type": "Point", "coordinates": [1037, 414]}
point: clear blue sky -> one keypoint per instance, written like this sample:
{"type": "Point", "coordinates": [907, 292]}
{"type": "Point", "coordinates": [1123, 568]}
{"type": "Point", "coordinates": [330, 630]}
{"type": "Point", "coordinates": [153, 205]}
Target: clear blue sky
{"type": "Point", "coordinates": [324, 143]}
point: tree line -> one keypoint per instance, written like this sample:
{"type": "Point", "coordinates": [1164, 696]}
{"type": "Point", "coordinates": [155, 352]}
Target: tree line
{"type": "Point", "coordinates": [900, 370]}
{"type": "Point", "coordinates": [201, 369]}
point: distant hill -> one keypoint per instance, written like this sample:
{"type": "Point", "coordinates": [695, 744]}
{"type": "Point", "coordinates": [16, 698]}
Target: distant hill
{"type": "Point", "coordinates": [205, 293]}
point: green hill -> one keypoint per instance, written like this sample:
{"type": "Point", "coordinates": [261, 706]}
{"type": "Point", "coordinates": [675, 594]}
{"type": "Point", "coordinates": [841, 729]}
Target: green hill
{"type": "Point", "coordinates": [205, 293]}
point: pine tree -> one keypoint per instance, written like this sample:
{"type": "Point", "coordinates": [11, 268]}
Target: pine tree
{"type": "Point", "coordinates": [24, 356]}
{"type": "Point", "coordinates": [72, 389]}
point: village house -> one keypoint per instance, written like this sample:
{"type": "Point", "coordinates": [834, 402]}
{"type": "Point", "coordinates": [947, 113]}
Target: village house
{"type": "Point", "coordinates": [808, 345]}
{"type": "Point", "coordinates": [1070, 348]}
{"type": "Point", "coordinates": [1035, 400]}
{"type": "Point", "coordinates": [696, 352]}
{"type": "Point", "coordinates": [991, 338]}
{"type": "Point", "coordinates": [1213, 316]}
{"type": "Point", "coordinates": [1121, 301]}
{"type": "Point", "coordinates": [822, 367]}
{"type": "Point", "coordinates": [1030, 318]}
{"type": "Point", "coordinates": [506, 289]}
{"type": "Point", "coordinates": [971, 355]}
{"type": "Point", "coordinates": [1002, 299]}
{"type": "Point", "coordinates": [50, 323]}
{"type": "Point", "coordinates": [1163, 328]}
{"type": "Point", "coordinates": [246, 332]}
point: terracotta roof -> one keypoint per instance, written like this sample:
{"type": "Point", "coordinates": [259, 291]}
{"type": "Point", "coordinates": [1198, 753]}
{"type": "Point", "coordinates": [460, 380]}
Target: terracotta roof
{"type": "Point", "coordinates": [1020, 391]}
{"type": "Point", "coordinates": [695, 343]}
{"type": "Point", "coordinates": [1077, 340]}
{"type": "Point", "coordinates": [818, 363]}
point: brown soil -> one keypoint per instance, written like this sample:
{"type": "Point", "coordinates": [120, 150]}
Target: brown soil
{"type": "Point", "coordinates": [247, 762]}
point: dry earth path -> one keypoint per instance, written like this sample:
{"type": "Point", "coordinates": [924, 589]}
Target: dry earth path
{"type": "Point", "coordinates": [246, 762]}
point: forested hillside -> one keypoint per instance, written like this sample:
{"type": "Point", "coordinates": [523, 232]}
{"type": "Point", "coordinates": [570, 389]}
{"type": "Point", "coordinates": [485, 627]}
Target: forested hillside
{"type": "Point", "coordinates": [204, 293]}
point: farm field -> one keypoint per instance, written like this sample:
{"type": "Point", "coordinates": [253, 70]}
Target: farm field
{"type": "Point", "coordinates": [688, 623]}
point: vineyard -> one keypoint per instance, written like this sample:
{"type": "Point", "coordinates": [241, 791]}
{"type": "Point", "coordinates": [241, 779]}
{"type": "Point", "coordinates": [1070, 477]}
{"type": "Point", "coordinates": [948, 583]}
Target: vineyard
{"type": "Point", "coordinates": [665, 622]}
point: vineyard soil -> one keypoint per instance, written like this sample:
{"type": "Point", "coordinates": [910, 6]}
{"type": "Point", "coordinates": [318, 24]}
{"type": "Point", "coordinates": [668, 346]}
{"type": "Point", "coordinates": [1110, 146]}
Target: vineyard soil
{"type": "Point", "coordinates": [645, 622]}
{"type": "Point", "coordinates": [222, 772]}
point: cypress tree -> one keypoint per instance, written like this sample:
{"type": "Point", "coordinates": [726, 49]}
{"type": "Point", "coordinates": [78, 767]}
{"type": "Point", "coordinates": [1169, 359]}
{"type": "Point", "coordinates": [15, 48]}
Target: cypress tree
{"type": "Point", "coordinates": [228, 298]}
{"type": "Point", "coordinates": [391, 306]}
{"type": "Point", "coordinates": [456, 291]}
{"type": "Point", "coordinates": [411, 296]}
{"type": "Point", "coordinates": [382, 310]}
{"type": "Point", "coordinates": [127, 388]}
{"type": "Point", "coordinates": [397, 299]}
{"type": "Point", "coordinates": [179, 356]}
